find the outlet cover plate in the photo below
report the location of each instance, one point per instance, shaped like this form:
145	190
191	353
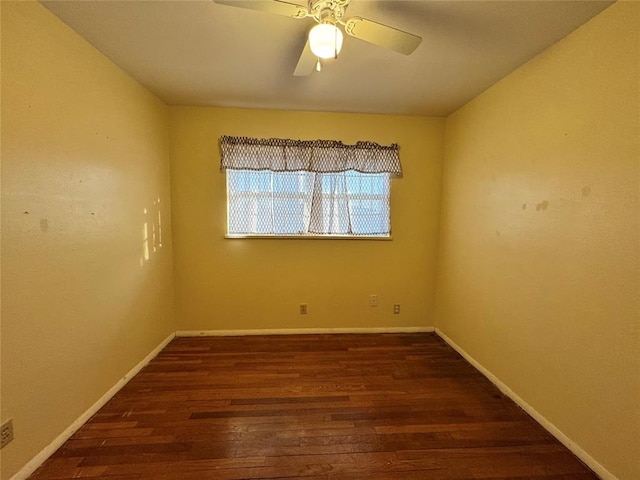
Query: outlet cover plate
6	433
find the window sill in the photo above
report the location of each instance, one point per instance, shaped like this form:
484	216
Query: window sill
306	237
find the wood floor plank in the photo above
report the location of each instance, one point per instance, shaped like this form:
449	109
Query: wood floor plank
312	407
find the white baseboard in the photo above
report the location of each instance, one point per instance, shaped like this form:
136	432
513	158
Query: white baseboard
46	452
298	331
550	427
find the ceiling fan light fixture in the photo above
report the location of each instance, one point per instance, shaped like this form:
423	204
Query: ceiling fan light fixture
325	40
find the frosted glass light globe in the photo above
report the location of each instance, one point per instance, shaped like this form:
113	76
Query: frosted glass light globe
325	40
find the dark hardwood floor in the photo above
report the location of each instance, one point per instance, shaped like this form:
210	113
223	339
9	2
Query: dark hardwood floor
312	407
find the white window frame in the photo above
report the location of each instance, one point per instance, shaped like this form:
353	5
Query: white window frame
322	160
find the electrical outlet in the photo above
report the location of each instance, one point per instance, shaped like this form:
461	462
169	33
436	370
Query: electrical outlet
6	433
303	309
373	300
396	309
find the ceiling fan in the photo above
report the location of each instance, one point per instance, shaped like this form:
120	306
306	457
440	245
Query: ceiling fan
325	38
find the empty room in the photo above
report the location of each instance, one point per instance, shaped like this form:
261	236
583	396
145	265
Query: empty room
324	240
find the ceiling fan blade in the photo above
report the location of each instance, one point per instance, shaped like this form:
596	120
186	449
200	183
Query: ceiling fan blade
382	35
306	62
278	7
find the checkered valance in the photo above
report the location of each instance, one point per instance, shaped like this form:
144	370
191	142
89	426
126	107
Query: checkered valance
320	156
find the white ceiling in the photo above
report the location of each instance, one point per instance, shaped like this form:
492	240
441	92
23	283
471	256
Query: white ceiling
203	53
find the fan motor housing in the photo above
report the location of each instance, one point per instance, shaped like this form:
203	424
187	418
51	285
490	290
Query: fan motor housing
327	11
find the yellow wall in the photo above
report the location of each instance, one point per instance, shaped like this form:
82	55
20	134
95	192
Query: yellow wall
539	249
224	284
84	152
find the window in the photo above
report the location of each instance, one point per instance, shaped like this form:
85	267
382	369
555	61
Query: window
308	188
307	203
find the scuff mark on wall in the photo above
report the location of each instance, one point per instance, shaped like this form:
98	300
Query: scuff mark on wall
542	206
